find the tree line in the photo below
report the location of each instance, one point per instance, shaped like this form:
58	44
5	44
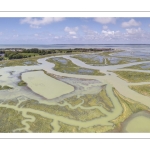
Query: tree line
25	53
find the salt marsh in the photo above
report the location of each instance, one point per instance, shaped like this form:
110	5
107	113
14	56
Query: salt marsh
66	98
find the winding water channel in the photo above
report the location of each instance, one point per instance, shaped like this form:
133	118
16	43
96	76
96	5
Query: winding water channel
110	79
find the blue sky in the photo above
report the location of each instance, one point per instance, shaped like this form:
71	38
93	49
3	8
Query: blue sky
55	30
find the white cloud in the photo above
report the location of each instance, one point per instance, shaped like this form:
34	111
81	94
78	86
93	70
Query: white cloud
56	37
105	20
108	33
130	23
136	34
1	33
105	27
36	22
35	34
134	31
74	37
71	31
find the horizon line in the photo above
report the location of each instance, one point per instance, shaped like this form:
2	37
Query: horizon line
75	44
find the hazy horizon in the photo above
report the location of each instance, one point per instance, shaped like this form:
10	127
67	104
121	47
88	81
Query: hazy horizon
74	30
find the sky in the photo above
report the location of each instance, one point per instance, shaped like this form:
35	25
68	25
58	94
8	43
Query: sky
58	30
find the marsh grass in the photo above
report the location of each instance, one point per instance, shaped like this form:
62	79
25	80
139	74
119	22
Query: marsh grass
95	62
5	87
10	120
76	114
41	124
71	68
75	129
22	83
133	76
97	100
142	89
139	67
73	100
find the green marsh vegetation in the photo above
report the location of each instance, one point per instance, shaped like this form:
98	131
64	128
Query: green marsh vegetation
139	67
142	89
5	87
72	68
11	102
65	111
73	100
22	83
133	76
10	120
97	100
90	100
41	124
66	128
106	59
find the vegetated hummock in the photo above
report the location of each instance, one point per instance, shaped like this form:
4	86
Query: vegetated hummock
65	111
5	87
145	66
72	68
142	89
10	120
104	58
133	76
22	83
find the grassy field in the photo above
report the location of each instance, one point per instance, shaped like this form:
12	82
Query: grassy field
73	100
77	114
19	62
30	60
10	120
92	61
11	102
5	87
72	68
41	124
97	100
132	76
89	60
23	62
74	129
142	89
139	67
30	54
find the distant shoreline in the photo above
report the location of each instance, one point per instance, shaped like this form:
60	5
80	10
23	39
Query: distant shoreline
69	46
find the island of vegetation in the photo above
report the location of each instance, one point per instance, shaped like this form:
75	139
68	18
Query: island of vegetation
61	63
133	76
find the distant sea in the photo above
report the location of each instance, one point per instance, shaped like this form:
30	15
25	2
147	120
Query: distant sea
130	47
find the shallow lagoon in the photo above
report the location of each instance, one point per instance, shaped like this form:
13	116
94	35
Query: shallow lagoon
45	85
136	123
